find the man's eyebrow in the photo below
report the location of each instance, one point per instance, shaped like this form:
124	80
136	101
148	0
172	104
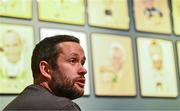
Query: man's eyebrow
76	55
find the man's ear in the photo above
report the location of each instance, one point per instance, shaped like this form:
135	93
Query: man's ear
45	69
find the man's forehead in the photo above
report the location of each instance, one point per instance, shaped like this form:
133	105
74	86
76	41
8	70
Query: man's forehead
69	43
72	52
70	47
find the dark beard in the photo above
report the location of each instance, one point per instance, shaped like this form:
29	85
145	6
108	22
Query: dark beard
65	87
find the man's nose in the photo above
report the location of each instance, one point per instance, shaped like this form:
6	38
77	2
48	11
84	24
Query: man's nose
82	70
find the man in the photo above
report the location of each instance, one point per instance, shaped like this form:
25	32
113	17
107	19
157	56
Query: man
58	72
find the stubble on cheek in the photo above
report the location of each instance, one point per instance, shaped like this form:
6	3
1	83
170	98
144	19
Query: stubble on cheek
63	85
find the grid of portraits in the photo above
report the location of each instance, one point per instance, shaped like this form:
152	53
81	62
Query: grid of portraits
112	55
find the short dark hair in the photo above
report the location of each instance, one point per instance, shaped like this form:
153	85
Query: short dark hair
48	51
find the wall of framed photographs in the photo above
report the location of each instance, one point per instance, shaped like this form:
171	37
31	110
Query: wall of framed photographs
132	46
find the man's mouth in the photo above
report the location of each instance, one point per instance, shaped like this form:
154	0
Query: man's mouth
81	82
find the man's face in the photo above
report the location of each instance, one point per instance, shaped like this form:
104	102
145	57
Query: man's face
68	78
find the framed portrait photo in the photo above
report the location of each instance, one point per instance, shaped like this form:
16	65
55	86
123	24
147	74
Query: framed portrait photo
47	32
152	16
16	46
108	13
176	16
16	8
157	68
113	65
63	11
